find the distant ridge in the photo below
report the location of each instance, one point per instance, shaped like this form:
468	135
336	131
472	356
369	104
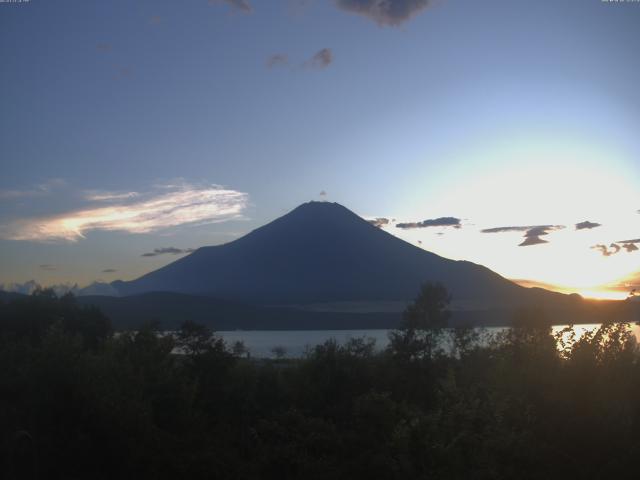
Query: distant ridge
323	252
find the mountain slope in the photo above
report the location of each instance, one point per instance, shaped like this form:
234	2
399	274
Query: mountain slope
323	252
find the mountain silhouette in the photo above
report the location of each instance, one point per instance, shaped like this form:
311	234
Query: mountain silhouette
323	252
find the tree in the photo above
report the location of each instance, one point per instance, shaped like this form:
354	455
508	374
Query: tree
195	339
279	352
422	323
429	309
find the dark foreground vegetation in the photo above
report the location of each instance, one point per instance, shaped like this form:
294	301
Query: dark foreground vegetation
78	402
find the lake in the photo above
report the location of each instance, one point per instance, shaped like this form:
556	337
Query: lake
295	342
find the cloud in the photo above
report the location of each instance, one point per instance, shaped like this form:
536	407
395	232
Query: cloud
242	6
607	251
628	245
47	267
379	222
587	225
435	222
109	270
277	60
323	193
102	196
155	20
168	250
103	47
321	59
533	233
40	190
177	205
385	12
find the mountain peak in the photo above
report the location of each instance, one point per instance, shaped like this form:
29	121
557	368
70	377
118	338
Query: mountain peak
320	219
315	207
323	252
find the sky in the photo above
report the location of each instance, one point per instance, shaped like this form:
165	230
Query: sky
499	132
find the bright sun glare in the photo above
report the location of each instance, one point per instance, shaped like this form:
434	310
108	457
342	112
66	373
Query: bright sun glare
560	185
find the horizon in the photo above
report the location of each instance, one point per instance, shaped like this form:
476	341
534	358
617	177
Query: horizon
500	134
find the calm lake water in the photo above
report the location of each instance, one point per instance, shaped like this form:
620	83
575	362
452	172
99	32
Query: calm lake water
260	343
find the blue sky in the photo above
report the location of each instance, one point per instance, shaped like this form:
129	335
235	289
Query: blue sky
430	114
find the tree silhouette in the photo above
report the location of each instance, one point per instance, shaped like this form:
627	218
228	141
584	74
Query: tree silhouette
430	308
422	323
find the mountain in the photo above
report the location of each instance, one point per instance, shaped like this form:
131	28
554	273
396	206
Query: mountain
322	252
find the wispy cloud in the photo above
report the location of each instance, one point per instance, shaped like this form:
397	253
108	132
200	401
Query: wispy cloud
242	6
321	59
379	222
182	204
434	222
47	267
533	233
102	196
277	60
109	270
385	12
587	225
39	190
168	251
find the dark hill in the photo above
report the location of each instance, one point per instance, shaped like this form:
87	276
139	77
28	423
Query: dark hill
323	252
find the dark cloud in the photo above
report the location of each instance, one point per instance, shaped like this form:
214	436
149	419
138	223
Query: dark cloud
385	12
323	193
321	59
607	251
109	270
168	250
630	245
505	229
103	47
587	225
277	60
533	233
155	20
379	222
434	222
47	267
242	6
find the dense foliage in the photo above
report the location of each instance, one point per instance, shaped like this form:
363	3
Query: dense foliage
77	401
